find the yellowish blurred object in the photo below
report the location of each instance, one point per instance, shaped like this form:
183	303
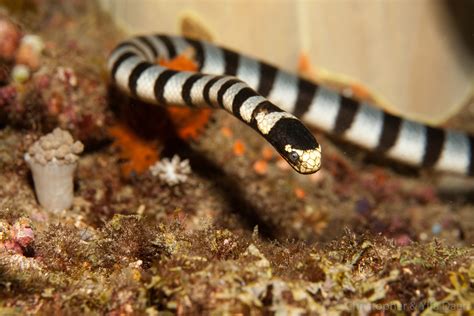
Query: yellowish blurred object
194	27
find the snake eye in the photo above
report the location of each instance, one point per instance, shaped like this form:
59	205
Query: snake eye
294	156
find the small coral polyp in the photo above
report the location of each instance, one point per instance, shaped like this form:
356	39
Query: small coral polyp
53	160
172	172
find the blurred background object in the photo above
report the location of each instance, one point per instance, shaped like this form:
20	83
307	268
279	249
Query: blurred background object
417	55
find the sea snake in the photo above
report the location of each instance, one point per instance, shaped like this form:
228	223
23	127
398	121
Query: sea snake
269	100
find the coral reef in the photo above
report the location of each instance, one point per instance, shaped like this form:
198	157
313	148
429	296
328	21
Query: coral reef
240	234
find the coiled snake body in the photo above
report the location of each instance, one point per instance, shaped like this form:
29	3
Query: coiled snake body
269	100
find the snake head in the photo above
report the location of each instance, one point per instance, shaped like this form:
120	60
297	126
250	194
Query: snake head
304	160
296	144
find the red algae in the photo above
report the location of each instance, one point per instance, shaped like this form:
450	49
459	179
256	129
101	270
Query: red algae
138	153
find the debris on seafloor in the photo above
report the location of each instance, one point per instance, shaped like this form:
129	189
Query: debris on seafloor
53	160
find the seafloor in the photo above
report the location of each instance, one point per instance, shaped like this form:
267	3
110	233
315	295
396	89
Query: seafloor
243	234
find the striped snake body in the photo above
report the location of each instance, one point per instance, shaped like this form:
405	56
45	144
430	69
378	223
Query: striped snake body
270	100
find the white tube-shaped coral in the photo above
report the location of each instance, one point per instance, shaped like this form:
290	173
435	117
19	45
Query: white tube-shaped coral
53	160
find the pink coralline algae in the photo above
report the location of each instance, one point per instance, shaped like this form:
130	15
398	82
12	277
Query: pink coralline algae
7	96
67	75
22	232
17	237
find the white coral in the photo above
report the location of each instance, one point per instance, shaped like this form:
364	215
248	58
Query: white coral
172	171
53	160
57	147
